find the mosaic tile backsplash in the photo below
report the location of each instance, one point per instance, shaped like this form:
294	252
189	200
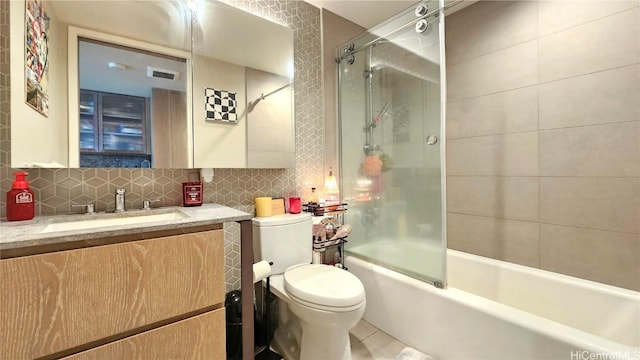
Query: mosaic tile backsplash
58	189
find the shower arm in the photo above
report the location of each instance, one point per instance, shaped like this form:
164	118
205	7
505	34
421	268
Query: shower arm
263	96
405	26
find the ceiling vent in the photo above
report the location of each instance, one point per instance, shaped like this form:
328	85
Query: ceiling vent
162	73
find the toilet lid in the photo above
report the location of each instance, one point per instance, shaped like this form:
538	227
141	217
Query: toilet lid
324	285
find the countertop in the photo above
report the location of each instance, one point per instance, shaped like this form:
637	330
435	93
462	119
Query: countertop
28	234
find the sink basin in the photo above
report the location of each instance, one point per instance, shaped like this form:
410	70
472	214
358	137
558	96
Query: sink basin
88	222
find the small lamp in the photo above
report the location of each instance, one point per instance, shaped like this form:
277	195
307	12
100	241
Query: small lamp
331	191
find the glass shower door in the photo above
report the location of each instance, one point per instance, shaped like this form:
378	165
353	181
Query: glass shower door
391	148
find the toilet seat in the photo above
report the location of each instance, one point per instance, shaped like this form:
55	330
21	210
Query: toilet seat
324	287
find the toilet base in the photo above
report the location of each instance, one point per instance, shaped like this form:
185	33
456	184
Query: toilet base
325	334
286	344
316	345
305	333
311	344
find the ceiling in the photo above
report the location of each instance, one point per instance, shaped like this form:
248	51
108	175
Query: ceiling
368	13
365	13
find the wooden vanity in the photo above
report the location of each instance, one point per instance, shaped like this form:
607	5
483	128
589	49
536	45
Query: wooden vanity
155	293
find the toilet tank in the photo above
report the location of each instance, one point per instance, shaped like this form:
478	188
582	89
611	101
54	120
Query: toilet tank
285	240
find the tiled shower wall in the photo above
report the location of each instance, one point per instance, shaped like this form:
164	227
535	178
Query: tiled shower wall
543	128
57	190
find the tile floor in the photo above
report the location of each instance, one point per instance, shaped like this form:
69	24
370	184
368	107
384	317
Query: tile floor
370	343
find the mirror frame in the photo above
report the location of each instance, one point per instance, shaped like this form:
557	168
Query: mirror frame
74	35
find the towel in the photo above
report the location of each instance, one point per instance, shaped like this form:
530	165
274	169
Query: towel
410	353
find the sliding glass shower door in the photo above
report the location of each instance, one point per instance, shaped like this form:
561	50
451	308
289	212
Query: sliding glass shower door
391	128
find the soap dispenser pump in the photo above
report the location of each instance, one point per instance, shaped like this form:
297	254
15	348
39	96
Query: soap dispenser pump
20	199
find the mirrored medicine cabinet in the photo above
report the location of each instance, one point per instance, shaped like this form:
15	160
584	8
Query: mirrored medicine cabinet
149	84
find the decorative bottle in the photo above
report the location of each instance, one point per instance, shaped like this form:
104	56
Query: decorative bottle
313	198
20	199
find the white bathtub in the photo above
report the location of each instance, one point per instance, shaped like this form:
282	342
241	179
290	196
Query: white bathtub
498	310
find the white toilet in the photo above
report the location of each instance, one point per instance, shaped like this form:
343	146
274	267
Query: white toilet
319	303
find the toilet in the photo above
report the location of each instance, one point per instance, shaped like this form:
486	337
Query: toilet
319	303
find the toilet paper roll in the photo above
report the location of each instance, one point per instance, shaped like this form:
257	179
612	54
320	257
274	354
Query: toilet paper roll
264	207
261	270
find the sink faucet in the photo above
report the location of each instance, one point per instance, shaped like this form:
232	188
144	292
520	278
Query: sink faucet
90	208
120	200
146	204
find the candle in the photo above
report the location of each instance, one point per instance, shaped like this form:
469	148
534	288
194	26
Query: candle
263	207
294	205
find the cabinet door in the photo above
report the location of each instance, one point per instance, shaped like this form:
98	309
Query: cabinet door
198	337
89	121
57	301
170	140
124	123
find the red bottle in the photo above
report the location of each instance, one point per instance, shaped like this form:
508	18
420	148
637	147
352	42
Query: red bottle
20	199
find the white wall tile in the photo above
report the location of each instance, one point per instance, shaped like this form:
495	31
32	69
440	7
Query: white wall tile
554	16
610	42
507	69
601	97
504	112
603	256
504	197
508	240
611	204
506	155
610	150
586	101
469	34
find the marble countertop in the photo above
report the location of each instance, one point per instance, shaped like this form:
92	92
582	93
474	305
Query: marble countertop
23	234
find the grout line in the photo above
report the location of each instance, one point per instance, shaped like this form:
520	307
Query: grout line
539	36
545	223
543	83
494	217
370	335
588	21
498	134
591	125
548	176
539	256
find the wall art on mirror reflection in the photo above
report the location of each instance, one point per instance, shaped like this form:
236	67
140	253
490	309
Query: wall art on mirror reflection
36	56
220	105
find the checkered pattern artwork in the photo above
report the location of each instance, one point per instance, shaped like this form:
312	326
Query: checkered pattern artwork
220	105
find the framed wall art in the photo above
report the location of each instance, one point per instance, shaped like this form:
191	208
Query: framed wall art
220	105
36	56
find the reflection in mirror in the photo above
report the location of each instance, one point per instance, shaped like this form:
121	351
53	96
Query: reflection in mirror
228	64
153	26
227	42
131	115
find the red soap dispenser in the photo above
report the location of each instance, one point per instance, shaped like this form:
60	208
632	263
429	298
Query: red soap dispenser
20	199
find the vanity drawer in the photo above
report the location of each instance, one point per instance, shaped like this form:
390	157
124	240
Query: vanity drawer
199	337
57	301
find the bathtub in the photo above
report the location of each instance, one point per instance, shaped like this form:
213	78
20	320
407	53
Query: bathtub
498	310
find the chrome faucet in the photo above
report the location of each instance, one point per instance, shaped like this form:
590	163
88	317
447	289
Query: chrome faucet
146	204
90	208
120	200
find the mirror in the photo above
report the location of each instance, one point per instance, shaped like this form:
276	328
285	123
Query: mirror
226	64
133	99
130	39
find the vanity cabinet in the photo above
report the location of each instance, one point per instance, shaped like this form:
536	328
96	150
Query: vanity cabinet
156	296
113	123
